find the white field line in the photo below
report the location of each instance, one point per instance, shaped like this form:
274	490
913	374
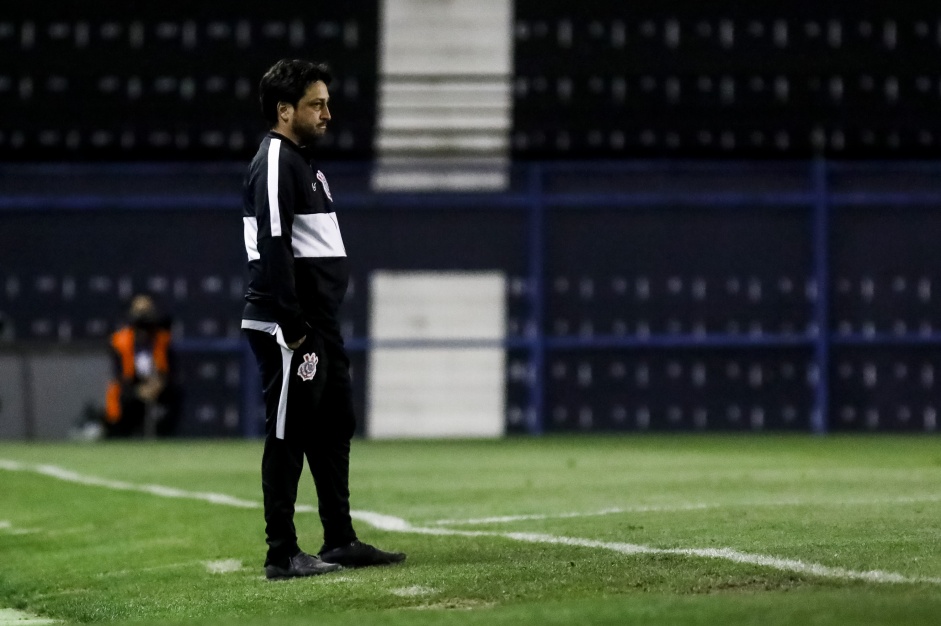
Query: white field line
7	527
501	519
54	471
397	524
153	568
673	508
119	485
223	567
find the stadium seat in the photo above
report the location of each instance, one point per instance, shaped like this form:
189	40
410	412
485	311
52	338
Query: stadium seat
652	80
162	83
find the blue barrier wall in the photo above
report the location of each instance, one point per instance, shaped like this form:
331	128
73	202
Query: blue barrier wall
642	296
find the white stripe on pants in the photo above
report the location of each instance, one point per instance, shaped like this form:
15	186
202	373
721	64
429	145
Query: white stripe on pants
286	356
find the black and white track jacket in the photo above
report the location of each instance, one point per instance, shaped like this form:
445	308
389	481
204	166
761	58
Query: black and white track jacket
297	266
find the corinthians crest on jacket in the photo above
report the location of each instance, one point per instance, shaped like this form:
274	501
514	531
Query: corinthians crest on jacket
308	369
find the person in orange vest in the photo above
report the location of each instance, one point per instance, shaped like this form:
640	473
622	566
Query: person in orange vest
142	386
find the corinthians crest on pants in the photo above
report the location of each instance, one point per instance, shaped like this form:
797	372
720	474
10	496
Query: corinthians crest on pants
308	368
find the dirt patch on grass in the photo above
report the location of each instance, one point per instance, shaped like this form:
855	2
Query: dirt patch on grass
750	584
456	604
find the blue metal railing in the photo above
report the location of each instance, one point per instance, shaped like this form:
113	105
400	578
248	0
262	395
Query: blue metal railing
531	195
821	252
818	199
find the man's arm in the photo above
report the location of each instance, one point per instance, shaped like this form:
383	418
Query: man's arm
274	201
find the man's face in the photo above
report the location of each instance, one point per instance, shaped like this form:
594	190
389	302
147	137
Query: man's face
143	311
311	114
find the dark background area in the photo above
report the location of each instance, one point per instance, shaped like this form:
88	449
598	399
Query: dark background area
752	189
596	79
143	81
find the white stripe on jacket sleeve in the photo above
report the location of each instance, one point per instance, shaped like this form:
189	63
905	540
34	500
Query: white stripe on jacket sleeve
250	229
274	209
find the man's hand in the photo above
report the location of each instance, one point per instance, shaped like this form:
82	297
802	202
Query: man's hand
294	345
150	389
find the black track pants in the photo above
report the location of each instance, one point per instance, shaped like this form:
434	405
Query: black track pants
316	421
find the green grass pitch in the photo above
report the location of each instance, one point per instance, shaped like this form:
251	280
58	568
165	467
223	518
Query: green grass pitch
593	530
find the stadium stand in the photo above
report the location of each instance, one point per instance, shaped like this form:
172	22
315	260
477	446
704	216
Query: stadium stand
684	79
170	80
776	282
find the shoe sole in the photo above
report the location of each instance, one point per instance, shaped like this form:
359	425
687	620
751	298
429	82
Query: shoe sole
360	565
287	576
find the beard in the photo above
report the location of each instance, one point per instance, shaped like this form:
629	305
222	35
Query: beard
307	133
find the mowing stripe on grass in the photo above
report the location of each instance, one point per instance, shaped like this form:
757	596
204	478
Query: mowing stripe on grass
397	524
502	519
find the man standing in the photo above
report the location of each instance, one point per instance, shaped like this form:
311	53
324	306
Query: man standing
298	275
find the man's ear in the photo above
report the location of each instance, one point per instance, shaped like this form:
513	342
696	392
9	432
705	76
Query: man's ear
284	111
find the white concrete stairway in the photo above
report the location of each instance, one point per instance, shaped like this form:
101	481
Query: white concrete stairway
444	94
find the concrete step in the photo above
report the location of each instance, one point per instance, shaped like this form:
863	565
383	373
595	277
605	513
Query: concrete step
443	141
400	92
444	94
446	36
441	173
426	120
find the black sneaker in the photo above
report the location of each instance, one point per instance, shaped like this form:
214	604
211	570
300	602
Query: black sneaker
359	554
301	564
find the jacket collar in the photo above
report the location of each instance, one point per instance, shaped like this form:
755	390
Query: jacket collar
305	151
284	139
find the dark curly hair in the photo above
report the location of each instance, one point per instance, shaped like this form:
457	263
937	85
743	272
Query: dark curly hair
286	81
